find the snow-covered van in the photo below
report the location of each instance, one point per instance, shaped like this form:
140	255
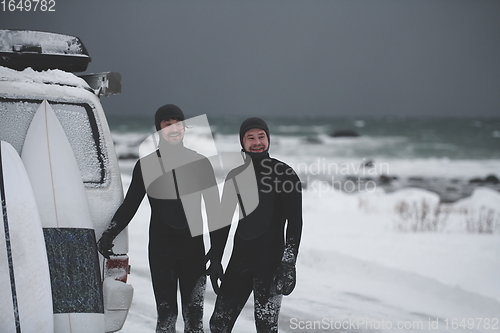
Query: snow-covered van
37	66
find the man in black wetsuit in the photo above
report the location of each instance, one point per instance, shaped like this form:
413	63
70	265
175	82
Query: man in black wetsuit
174	178
263	260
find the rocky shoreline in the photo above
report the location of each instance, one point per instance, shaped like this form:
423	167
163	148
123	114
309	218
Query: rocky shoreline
448	189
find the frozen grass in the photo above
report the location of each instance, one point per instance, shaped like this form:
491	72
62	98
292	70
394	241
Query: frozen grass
420	216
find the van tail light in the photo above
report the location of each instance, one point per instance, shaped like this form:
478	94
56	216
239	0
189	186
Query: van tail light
117	267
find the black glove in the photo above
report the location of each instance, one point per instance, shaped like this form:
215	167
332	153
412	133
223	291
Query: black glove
214	270
285	278
105	244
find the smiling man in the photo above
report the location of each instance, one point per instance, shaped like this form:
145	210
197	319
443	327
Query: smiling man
175	179
255	141
263	259
172	130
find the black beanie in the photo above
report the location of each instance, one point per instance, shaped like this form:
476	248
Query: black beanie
253	123
168	111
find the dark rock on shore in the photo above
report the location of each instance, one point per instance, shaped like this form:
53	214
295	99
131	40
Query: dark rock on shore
383	179
490	179
416	179
369	163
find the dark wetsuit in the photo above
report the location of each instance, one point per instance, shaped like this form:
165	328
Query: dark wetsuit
174	255
260	246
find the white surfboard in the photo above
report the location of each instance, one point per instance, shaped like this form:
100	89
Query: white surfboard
67	225
25	292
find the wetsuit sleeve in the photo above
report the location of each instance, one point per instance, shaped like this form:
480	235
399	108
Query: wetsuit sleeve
293	211
128	208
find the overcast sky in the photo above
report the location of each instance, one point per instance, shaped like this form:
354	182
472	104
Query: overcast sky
318	57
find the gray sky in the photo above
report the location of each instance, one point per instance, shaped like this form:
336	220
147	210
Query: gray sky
260	57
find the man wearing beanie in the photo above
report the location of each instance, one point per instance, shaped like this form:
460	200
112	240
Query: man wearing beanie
263	259
176	249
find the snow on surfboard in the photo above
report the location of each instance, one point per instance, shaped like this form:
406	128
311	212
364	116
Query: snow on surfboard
67	225
25	293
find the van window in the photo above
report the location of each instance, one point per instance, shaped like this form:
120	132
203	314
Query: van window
79	124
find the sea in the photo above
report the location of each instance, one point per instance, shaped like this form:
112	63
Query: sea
448	156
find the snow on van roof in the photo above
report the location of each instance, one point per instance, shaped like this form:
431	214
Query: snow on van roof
54	76
20	49
50	43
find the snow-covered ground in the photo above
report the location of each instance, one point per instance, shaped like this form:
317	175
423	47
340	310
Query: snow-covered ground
357	272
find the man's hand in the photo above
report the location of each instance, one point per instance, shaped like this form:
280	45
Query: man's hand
105	244
285	278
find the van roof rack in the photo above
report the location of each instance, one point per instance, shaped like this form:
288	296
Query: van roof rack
40	50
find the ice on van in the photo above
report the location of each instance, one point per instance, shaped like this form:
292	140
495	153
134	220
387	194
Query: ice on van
37	66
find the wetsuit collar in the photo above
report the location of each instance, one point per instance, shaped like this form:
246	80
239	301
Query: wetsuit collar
170	149
257	156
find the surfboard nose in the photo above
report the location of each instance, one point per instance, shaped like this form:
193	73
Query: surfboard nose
54	173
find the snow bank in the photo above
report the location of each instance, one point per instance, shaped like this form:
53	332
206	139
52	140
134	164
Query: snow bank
381	202
363	226
481	197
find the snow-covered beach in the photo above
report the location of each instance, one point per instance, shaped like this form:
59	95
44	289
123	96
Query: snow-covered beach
358	272
383	259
